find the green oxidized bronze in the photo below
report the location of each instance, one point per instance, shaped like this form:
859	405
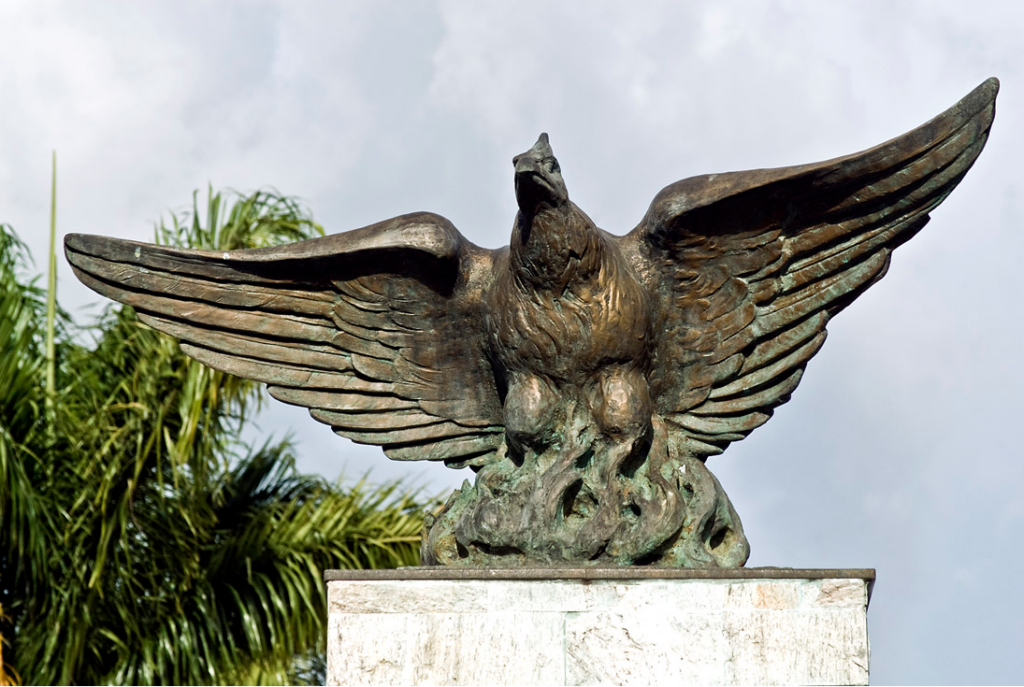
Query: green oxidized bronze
586	377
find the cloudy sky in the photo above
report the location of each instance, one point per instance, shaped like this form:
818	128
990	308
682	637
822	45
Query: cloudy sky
899	451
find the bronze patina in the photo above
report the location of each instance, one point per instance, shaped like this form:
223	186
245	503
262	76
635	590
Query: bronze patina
585	377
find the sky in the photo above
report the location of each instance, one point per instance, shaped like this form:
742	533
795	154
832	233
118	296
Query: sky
899	451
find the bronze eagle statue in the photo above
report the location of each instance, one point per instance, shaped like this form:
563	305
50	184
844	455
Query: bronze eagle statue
584	376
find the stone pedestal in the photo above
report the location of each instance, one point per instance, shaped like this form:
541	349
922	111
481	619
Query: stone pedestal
437	626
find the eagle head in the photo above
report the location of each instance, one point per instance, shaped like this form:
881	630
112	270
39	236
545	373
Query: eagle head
539	179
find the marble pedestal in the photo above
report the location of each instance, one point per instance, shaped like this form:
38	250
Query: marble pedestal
437	626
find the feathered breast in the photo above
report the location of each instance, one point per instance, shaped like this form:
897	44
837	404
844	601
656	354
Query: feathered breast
593	313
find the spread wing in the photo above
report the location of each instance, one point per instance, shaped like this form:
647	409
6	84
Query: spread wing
745	269
377	331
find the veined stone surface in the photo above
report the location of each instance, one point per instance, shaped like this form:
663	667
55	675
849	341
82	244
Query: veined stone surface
580	627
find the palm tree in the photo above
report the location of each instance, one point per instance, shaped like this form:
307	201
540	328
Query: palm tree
145	543
22	311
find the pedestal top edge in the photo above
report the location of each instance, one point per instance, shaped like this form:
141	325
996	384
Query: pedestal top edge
622	573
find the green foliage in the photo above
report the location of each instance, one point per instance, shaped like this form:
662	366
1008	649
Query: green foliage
141	542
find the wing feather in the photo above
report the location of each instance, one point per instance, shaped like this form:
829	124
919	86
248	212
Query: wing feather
455	452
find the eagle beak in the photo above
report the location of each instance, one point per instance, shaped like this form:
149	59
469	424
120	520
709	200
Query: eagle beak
540	150
538	181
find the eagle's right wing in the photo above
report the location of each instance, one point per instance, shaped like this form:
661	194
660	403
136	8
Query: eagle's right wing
378	331
745	269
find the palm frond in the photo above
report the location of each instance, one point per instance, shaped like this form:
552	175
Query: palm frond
25	529
153	546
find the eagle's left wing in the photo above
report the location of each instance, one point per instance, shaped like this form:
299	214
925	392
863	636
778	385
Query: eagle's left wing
745	269
378	331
